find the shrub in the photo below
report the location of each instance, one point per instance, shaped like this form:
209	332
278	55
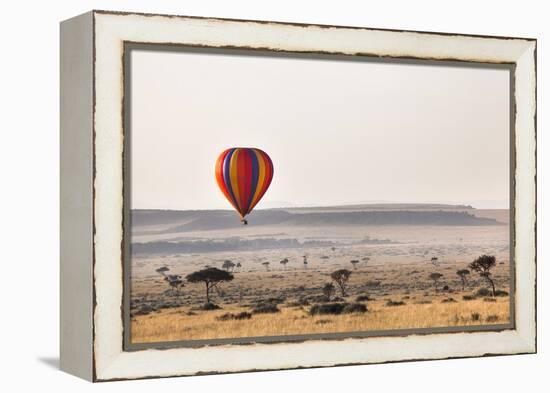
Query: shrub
225	317
354	307
243	315
483	292
468	297
372	284
500	292
209	306
492	318
275	300
239	316
489	299
327	308
445	287
448	300
266	308
475	316
298	303
145	310
391	303
317	299
363	298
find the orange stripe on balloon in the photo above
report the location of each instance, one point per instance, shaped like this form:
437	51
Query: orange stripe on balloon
267	177
234	177
261	177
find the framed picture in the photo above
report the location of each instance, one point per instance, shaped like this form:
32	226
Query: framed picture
245	195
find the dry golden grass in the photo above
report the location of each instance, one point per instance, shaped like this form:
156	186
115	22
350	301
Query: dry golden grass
175	324
398	271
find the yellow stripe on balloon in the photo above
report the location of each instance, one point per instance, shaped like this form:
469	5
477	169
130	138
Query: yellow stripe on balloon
234	177
261	178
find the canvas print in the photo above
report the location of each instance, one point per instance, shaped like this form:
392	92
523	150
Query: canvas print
276	196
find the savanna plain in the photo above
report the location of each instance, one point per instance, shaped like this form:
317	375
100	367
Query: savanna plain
363	268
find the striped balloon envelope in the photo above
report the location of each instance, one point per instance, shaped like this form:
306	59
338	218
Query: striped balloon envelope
244	175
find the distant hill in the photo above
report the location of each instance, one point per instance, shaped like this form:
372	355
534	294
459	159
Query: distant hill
175	221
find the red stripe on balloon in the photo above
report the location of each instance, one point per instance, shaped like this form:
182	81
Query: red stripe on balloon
243	180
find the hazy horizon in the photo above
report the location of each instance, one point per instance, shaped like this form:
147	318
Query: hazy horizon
338	132
290	205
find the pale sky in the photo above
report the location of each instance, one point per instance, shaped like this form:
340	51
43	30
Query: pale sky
338	132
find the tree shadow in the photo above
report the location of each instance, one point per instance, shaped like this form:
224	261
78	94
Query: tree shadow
52	362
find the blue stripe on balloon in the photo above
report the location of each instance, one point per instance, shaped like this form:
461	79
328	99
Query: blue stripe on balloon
255	175
226	175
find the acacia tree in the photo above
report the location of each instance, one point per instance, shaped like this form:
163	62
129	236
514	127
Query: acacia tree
483	266
463	274
328	290
266	265
435	277
228	265
354	262
211	277
175	281
284	262
341	278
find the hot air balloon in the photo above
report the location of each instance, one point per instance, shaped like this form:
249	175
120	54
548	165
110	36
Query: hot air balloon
244	175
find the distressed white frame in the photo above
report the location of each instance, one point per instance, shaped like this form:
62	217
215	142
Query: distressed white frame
111	30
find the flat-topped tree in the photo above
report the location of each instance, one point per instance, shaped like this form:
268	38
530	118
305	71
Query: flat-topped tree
483	266
210	277
354	263
463	274
341	278
175	281
284	262
228	265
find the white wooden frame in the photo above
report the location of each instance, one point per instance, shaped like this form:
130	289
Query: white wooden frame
92	193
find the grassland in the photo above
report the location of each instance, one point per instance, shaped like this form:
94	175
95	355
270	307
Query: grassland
177	324
391	280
